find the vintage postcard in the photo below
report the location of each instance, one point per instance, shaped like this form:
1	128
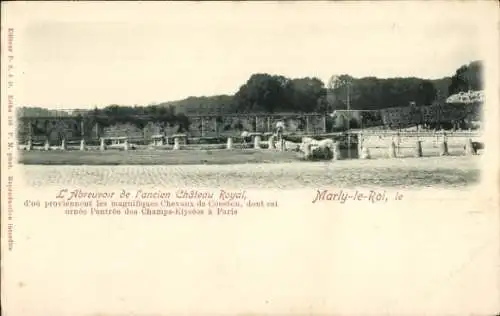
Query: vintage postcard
250	158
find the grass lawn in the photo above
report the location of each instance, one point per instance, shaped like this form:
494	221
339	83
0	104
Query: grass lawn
152	157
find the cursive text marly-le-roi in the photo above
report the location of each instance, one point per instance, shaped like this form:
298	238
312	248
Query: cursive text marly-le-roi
342	196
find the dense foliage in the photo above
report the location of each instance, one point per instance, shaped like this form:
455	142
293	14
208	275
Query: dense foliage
269	93
468	77
266	93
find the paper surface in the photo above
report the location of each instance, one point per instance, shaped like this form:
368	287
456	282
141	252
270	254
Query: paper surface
288	240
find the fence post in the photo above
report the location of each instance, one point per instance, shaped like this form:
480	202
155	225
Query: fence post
365	153
443	148
256	142
469	148
398	141
337	155
307	151
177	145
360	142
103	145
418	149
392	150
30	144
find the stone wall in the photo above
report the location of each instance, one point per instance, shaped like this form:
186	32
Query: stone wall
214	126
405	142
53	129
409	115
234	125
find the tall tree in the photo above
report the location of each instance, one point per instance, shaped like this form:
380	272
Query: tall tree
306	95
426	93
467	77
262	93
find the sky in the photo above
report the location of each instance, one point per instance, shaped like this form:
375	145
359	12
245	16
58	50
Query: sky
82	55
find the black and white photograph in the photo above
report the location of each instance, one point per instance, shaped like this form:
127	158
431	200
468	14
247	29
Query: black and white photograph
250	158
208	99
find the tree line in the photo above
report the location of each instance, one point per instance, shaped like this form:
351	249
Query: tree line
267	93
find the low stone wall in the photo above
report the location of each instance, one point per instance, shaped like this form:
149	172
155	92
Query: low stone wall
366	144
74	128
405	143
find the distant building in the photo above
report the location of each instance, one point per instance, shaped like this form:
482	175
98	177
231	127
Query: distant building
401	116
352	119
463	111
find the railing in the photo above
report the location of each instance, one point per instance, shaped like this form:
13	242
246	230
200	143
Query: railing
474	133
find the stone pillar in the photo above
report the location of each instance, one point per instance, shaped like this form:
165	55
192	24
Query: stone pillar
365	153
469	148
125	145
177	145
398	142
307	151
256	142
229	143
63	144
103	145
360	142
30	144
337	155
392	150
443	149
271	142
418	149
82	144
46	146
